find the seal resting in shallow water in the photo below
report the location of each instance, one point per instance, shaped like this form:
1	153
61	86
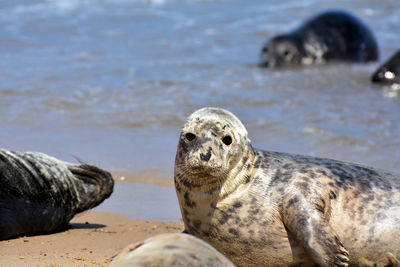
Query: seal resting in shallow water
263	208
389	72
329	36
40	194
173	249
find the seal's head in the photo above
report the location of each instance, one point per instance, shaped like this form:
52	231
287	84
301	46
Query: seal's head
389	72
281	51
213	149
171	249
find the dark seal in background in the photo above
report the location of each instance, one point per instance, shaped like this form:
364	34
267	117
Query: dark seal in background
330	36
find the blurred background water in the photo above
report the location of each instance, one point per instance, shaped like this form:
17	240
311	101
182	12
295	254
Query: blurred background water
111	82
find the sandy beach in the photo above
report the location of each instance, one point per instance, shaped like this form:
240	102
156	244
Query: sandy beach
94	238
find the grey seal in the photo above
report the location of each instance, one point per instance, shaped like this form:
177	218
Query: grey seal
265	208
334	35
41	194
172	249
389	71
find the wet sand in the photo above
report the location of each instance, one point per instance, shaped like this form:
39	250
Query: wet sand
93	240
152	177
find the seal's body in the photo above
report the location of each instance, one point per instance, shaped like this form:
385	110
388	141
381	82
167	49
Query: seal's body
40	194
172	249
388	72
263	208
329	36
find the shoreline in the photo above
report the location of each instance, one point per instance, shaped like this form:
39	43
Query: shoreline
150	177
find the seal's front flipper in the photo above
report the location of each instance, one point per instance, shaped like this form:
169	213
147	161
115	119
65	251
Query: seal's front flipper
312	239
93	185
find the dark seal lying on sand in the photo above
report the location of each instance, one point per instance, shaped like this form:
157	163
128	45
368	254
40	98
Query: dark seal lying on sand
263	208
329	36
388	72
40	194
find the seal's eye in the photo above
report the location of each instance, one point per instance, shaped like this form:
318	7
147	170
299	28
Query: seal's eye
265	49
286	53
190	136
227	140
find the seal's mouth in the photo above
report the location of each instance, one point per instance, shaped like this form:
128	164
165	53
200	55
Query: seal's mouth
199	175
266	61
202	171
200	181
203	163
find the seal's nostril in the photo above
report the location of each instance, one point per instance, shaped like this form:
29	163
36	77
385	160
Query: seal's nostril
206	157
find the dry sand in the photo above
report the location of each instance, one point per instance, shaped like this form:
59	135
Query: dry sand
95	237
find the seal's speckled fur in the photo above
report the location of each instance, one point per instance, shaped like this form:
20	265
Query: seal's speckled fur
269	208
170	250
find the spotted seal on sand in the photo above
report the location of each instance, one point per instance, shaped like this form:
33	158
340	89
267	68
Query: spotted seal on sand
263	208
388	72
330	36
41	194
172	249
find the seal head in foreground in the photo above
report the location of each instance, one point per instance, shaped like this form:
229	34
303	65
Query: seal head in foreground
263	208
172	249
41	194
330	36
